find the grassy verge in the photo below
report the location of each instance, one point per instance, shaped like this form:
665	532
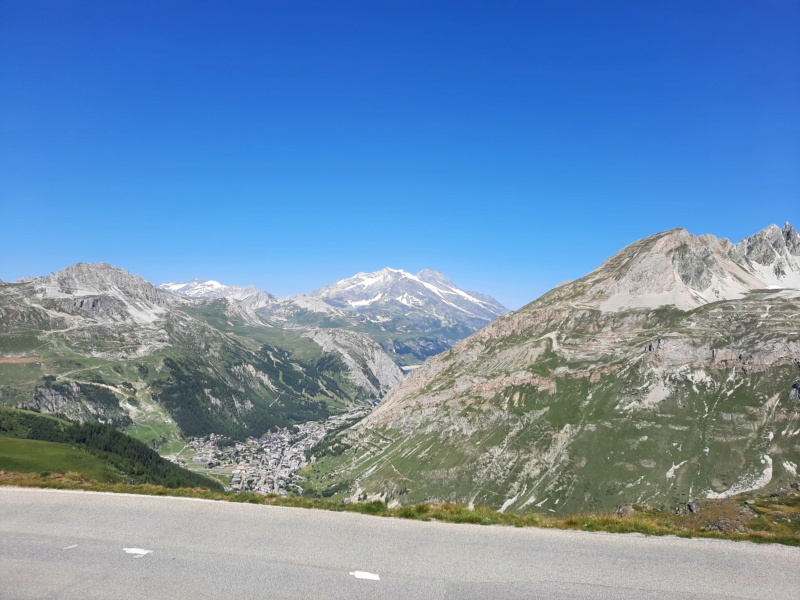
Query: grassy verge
774	519
34	456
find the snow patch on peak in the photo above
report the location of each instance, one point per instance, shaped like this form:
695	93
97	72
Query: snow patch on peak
366	302
196	288
397	290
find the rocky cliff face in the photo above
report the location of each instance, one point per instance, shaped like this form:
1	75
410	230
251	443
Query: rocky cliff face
369	367
668	373
101	291
78	402
679	269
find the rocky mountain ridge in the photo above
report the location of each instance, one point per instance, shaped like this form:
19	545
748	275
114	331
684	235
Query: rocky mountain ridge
103	291
686	271
94	342
197	289
410	316
669	373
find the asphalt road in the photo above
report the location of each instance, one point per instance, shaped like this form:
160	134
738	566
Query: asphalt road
84	545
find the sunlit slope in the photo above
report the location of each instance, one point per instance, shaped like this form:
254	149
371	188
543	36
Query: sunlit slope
576	403
31	442
95	343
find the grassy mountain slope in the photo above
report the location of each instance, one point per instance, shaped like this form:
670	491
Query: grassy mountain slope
94	343
568	405
99	451
34	456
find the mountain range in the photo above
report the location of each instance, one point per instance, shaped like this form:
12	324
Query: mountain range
94	343
671	372
412	317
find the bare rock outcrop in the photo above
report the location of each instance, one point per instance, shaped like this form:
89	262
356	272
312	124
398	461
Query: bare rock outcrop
369	367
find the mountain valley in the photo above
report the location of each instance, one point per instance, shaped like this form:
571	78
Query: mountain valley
669	373
95	343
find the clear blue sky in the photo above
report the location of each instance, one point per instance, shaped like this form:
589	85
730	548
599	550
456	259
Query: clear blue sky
288	144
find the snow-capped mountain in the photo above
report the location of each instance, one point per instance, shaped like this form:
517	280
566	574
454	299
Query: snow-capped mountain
197	289
429	293
411	316
131	353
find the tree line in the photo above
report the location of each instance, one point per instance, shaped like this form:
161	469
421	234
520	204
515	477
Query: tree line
132	458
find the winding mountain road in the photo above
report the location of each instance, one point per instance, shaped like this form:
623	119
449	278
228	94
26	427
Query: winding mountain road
84	545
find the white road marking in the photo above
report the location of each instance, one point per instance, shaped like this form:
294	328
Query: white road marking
365	575
70	547
137	552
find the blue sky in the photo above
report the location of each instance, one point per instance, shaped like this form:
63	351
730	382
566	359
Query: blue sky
288	144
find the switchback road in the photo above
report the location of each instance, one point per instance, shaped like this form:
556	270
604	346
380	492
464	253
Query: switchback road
84	545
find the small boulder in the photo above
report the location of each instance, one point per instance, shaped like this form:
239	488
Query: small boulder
725	526
794	392
625	511
747	512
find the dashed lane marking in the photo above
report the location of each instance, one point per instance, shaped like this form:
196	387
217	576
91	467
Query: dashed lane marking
365	575
137	552
70	547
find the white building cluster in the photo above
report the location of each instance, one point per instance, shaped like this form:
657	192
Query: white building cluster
270	464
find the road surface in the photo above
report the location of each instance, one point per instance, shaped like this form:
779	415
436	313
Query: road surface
85	545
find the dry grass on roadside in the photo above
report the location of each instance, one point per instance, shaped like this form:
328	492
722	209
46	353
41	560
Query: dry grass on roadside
774	519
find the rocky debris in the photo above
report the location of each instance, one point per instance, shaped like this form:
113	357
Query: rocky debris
726	515
726	526
783	492
688	508
746	511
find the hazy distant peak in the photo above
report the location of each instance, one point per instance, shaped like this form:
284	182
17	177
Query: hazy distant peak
199	289
397	291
